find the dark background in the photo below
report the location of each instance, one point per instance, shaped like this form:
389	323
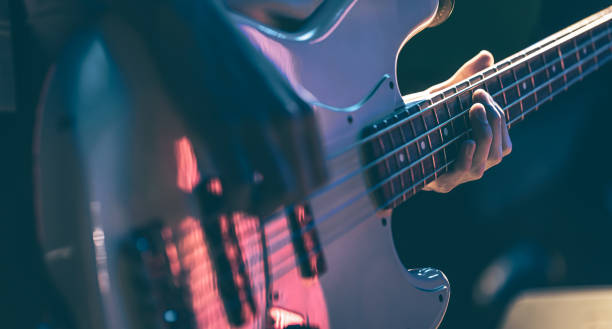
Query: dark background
546	211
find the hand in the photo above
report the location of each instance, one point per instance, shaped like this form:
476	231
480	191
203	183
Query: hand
491	140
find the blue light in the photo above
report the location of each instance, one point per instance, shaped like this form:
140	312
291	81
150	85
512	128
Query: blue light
170	316
142	244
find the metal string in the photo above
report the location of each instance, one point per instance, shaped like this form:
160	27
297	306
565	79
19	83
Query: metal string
420	160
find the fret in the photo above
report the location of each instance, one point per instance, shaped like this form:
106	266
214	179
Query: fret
459	123
493	87
578	48
506	79
465	99
448	133
588	48
608	50
442	117
540	78
416	172
435	137
394	141
511	94
554	70
601	40
400	157
526	85
403	156
515	109
389	164
378	172
594	46
570	58
424	146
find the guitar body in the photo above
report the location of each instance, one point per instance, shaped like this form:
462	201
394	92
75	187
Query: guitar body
348	70
113	158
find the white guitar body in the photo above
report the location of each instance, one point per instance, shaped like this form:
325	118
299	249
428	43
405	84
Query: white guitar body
113	169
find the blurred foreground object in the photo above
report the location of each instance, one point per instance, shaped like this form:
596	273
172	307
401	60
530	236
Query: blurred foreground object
563	308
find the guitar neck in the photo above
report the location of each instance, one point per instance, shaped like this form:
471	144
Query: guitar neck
413	146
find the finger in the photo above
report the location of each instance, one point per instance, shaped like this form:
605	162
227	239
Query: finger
465	156
483	137
460	172
495	121
478	63
506	141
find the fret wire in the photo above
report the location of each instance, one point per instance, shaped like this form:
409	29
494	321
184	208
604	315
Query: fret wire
546	46
578	56
577	79
569	84
518	89
325	217
440	132
594	47
562	64
376	161
417	138
548	75
433	158
424	178
514	84
420	160
409	158
533	84
386	159
418	148
421	181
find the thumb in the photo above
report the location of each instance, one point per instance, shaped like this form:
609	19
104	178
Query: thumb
478	63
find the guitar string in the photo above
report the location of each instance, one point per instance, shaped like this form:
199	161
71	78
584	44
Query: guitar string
420	160
597	21
277	247
278	274
523	97
287	241
318	221
416	139
283	270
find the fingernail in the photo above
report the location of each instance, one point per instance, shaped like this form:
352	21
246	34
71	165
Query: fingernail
481	114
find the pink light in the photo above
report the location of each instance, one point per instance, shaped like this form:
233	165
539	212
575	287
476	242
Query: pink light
171	252
282	318
214	186
187	176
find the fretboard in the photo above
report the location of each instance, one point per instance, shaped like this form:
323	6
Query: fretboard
414	145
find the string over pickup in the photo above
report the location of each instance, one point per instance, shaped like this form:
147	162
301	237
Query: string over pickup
305	239
233	279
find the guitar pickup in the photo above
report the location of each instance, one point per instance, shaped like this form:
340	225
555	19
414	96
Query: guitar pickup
305	240
226	255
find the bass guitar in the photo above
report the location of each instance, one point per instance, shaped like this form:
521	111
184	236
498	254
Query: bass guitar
120	191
